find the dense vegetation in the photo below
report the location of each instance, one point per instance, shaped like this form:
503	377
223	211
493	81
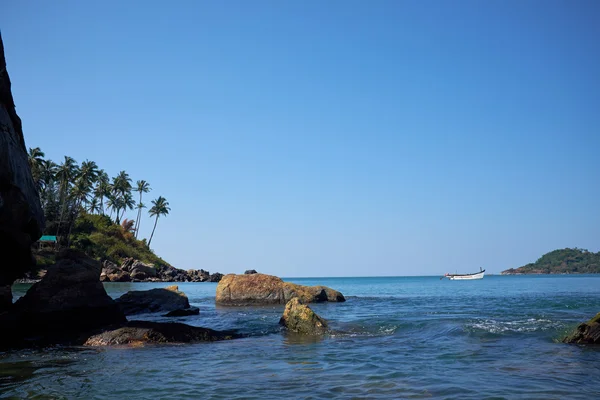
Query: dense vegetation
86	209
565	261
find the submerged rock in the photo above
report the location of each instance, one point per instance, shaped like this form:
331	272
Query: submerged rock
183	312
300	318
68	301
138	333
586	333
154	300
267	289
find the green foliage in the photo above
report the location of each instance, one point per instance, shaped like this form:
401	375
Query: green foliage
564	261
100	238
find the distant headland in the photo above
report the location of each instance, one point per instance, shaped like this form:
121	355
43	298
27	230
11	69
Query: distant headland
563	261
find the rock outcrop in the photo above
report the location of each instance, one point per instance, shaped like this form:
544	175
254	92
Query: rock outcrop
21	216
586	333
257	288
300	318
70	300
154	300
139	333
136	271
183	312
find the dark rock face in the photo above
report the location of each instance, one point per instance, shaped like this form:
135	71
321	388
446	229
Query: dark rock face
21	216
154	300
67	302
586	333
5	298
299	318
257	288
216	277
139	333
183	312
250	272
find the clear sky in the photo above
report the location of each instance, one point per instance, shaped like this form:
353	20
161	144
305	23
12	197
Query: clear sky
328	138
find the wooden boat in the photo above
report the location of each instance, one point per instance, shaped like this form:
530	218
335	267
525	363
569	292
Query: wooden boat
460	277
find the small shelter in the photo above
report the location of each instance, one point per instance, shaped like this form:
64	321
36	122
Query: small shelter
48	241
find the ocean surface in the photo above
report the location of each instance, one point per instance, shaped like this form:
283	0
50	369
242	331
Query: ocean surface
394	338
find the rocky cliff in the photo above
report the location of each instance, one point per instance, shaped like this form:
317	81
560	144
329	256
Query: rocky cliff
21	216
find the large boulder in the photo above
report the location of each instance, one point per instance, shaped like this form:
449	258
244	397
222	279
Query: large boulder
586	333
267	289
68	301
299	318
141	271
112	273
154	300
21	216
138	333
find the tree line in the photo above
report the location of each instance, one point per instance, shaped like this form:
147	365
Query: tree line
68	189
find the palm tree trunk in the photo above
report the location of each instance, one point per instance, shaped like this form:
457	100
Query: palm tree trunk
155	221
137	221
62	212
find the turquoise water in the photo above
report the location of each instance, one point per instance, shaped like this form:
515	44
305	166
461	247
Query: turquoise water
405	337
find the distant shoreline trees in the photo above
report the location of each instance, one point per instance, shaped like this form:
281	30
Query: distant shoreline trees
68	189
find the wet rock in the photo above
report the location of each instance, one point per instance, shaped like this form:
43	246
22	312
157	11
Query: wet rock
250	272
21	216
267	289
154	300
68	301
300	318
139	333
184	312
586	333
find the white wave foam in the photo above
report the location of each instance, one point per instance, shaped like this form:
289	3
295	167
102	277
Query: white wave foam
524	325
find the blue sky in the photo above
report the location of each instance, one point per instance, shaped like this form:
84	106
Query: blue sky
337	138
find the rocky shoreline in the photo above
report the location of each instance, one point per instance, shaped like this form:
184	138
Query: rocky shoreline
132	270
69	306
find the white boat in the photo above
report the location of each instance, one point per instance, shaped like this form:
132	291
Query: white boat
462	277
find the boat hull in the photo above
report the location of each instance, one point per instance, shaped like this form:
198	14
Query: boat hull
466	277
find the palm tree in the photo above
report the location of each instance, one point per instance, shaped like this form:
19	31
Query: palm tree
36	159
65	175
139	207
94	206
112	202
103	188
127	202
159	207
141	187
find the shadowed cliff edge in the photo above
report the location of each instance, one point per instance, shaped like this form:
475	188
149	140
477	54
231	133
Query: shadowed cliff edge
21	217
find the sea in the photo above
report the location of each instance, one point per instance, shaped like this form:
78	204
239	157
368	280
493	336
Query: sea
394	338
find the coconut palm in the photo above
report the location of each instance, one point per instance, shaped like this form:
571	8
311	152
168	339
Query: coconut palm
139	207
103	188
141	187
65	175
94	206
36	159
159	207
127	202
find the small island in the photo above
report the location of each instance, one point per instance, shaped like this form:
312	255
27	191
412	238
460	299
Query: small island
563	261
